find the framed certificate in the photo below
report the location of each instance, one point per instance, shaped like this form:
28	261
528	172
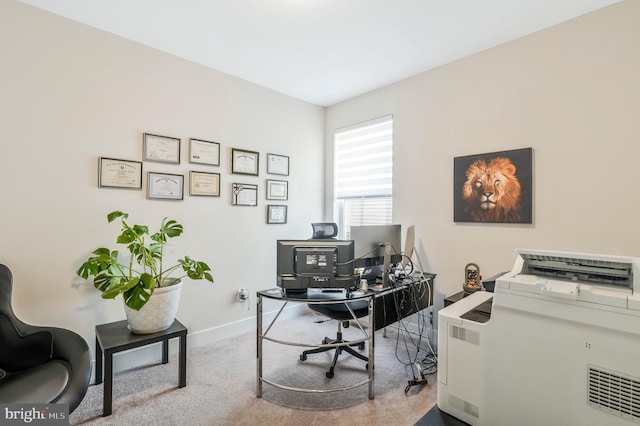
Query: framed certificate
244	162
244	194
115	173
204	152
277	164
277	189
164	186
205	184
276	214
162	149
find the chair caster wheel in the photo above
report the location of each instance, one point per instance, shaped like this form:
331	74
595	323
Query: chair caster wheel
329	374
303	357
361	346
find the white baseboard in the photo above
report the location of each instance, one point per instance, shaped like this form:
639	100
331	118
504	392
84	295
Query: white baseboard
153	353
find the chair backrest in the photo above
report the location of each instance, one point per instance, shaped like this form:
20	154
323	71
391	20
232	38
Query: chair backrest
324	230
6	285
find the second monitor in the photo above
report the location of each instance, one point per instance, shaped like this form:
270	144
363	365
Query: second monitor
370	241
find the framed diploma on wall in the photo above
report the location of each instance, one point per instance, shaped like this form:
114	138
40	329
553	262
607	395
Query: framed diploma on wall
277	189
115	173
244	162
204	184
162	149
204	152
244	194
277	164
164	186
276	214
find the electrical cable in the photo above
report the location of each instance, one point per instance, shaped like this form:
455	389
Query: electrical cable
414	350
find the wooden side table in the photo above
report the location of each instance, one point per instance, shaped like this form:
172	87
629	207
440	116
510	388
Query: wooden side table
115	337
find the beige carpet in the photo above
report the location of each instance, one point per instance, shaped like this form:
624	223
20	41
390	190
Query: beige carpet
221	386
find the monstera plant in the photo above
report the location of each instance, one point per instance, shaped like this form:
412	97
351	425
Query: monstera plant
143	271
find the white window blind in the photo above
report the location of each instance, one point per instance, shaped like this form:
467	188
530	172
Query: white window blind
363	173
365	211
364	159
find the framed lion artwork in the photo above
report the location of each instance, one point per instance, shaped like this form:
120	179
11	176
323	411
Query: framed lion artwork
493	187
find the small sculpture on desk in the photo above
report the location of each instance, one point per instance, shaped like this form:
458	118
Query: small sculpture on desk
472	278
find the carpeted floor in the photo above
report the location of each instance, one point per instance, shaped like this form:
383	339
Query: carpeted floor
221	385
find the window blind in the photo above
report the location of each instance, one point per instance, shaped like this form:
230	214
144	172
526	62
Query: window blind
363	174
366	211
364	159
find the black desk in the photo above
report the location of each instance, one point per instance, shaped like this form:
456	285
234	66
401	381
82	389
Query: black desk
403	300
116	337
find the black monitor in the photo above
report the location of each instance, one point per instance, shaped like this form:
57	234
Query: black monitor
303	264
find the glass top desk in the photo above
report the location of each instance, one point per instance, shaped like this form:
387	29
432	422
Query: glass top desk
383	302
314	298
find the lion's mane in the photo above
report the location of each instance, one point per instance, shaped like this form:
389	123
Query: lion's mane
492	191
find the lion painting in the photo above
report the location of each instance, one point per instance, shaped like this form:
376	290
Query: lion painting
492	191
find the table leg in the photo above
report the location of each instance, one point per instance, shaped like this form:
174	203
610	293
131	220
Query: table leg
98	363
182	382
107	388
372	344
259	347
165	351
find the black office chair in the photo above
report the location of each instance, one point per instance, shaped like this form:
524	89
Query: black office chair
336	311
39	364
340	312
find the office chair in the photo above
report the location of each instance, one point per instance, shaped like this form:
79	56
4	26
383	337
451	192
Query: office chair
336	311
339	312
39	364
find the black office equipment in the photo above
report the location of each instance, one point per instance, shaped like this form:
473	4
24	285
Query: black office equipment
303	264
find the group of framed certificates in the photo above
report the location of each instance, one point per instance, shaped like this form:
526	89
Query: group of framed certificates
246	194
127	174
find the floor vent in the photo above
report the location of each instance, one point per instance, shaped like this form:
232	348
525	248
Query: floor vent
614	393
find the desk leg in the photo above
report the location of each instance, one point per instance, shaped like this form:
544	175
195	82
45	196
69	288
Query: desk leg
259	347
182	382
372	356
98	363
107	388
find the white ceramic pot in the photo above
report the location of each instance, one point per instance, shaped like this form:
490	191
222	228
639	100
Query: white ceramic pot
158	313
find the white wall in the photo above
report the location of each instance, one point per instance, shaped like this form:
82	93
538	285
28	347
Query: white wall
570	92
69	94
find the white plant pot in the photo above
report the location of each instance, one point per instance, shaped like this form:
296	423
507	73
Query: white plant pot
158	313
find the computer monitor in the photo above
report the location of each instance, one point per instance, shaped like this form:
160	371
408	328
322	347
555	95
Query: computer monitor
303	264
370	241
377	248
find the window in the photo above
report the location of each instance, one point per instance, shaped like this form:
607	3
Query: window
363	174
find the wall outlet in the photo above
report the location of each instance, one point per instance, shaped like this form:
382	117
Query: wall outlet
242	295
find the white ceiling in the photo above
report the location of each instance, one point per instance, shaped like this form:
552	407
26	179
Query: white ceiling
321	51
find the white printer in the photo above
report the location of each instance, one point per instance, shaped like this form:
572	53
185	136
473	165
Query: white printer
561	345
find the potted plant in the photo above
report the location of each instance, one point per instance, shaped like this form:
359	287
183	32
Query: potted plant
143	274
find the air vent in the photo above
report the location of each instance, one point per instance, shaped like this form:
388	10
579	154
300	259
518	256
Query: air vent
465	406
614	393
465	335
